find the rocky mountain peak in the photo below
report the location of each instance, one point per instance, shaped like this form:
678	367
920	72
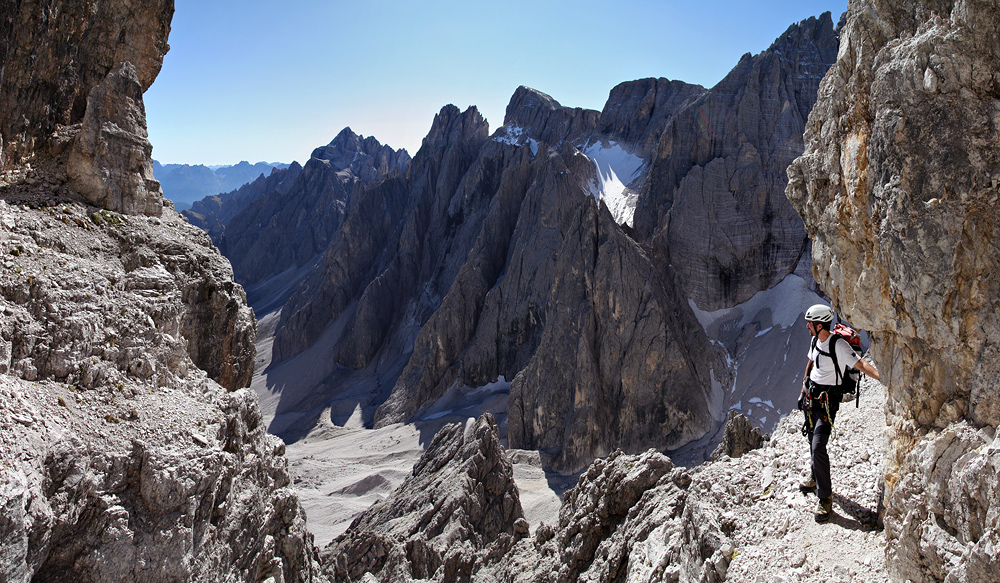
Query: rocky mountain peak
637	111
365	158
540	117
805	37
452	127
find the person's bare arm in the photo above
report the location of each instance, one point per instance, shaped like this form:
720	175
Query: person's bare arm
867	368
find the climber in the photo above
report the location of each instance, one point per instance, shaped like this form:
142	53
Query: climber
820	399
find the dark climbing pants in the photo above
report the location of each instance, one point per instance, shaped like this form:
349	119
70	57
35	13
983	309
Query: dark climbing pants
820	459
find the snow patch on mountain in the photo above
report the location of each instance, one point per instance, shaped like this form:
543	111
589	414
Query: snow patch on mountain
515	136
760	336
617	172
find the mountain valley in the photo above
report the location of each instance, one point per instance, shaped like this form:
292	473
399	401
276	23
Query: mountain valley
567	349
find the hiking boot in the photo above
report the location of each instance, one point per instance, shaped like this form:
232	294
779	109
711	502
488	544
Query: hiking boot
807	484
823	509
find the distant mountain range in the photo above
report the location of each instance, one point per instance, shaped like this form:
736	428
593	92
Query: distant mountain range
626	248
184	184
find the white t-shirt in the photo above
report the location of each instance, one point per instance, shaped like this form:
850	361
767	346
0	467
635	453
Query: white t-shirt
822	372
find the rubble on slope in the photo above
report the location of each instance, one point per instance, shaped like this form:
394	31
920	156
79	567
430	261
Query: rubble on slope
123	459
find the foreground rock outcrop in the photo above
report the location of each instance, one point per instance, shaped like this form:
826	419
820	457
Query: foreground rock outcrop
639	517
71	107
898	188
460	503
129	449
458	518
125	457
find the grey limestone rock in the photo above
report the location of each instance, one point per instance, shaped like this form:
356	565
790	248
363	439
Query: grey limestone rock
739	437
580	295
98	296
389	270
713	203
542	118
458	518
898	189
459	503
110	161
128	450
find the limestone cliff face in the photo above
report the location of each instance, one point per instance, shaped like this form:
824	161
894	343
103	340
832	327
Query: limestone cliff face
280	229
129	450
71	82
898	189
713	203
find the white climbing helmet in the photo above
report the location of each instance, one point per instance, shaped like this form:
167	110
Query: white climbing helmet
819	313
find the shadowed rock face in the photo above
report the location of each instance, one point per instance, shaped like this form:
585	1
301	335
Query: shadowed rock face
55	53
71	85
713	204
898	188
290	225
496	256
213	213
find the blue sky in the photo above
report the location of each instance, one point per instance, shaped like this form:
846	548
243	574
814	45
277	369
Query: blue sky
261	80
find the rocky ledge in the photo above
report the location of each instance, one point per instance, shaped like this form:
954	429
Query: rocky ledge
634	518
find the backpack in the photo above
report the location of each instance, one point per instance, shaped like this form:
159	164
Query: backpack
848	380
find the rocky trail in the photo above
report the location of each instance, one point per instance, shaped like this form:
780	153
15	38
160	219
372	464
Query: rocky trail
770	520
